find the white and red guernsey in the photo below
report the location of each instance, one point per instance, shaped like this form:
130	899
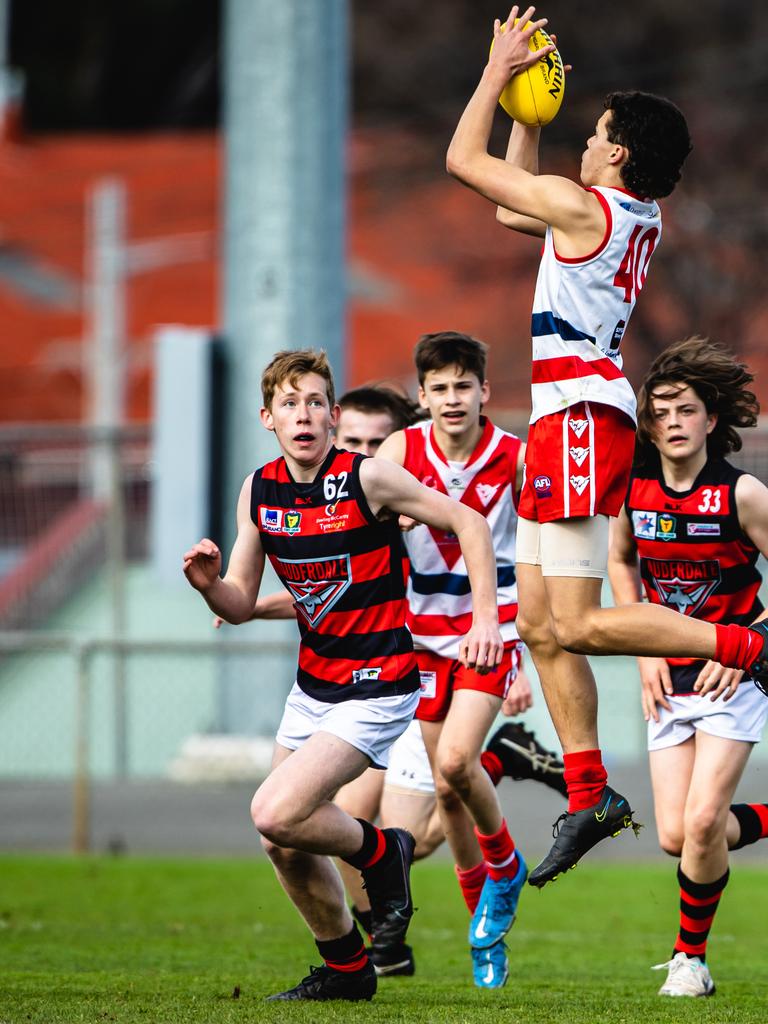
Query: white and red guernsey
581	309
439	596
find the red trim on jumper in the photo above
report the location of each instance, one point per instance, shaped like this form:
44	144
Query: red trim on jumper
570	260
558	368
339	670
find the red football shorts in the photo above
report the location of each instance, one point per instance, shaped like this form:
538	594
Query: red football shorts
577	463
441	676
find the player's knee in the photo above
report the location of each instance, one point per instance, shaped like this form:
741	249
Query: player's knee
671	842
703	826
455	767
283	857
445	793
574	633
534	631
271	820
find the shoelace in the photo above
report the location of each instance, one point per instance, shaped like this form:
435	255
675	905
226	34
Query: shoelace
558	825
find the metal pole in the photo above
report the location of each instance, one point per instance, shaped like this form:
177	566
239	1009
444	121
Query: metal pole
105	372
285	90
81	792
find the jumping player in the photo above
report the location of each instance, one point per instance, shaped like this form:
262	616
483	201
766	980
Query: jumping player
599	236
461	454
327	520
698	526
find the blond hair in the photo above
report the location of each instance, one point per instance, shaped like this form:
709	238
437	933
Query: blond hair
290	364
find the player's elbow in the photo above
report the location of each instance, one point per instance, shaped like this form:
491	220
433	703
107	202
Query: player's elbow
458	164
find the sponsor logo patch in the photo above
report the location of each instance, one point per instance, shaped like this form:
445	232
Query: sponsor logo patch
579	483
578	426
315	585
292	522
644	525
684	585
578	454
667	527
271	520
428	681
543	486
703	529
362	675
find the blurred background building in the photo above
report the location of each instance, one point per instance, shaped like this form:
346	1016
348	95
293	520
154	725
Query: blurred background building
130	220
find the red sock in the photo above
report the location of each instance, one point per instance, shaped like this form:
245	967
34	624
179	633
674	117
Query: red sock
493	766
499	853
472	881
737	646
585	778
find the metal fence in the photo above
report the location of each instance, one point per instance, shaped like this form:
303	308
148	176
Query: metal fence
107	674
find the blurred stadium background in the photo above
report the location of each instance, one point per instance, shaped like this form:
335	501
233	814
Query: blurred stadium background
188	185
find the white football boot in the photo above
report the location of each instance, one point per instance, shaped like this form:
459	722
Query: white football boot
687	976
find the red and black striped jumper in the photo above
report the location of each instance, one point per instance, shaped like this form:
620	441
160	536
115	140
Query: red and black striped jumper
695	558
344	568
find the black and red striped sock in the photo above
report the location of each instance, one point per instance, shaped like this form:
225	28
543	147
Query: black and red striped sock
753	822
373	849
345	954
698	905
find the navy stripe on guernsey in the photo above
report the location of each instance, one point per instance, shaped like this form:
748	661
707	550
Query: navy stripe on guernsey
455	584
694	556
344	569
545	324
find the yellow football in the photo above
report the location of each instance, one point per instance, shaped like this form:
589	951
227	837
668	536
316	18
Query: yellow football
534	96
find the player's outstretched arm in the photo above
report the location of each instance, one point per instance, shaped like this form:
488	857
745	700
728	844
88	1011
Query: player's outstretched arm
279	605
233	597
547	198
522	152
624	576
388	486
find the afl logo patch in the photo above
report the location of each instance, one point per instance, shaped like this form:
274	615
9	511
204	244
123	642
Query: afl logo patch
543	486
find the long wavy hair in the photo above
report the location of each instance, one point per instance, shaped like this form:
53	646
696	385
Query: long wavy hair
717	377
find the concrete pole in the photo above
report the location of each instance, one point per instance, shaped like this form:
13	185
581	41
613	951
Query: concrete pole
285	117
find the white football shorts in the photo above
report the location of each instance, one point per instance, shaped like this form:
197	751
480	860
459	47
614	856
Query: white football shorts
371	725
740	718
409	764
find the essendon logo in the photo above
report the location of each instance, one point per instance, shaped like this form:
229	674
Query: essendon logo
316	585
682	585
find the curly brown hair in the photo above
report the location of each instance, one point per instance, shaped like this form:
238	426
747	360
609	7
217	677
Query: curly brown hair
717	377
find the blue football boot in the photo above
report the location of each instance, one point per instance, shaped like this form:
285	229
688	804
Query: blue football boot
495	913
490	967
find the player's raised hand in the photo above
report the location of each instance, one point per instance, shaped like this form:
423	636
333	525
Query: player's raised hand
202	564
510	54
482	648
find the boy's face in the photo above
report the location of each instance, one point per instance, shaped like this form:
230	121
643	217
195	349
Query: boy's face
302	419
363	432
454	399
681	422
597	156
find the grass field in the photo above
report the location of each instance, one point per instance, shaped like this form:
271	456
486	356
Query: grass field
132	940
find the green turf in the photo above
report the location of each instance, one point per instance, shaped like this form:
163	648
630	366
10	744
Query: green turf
131	940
